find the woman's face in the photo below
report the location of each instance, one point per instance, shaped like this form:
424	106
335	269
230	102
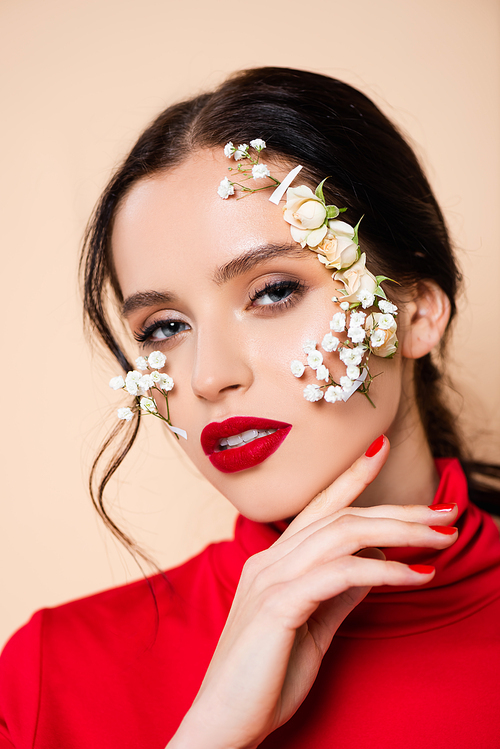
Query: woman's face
230	299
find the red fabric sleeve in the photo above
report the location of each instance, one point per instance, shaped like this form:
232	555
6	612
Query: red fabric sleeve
20	676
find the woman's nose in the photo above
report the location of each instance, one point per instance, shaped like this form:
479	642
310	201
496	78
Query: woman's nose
221	364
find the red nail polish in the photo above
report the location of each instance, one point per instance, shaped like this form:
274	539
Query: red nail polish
446	529
422	569
375	446
442	508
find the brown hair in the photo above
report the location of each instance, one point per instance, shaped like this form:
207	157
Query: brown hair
331	129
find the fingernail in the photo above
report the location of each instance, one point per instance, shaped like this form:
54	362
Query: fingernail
375	447
446	529
442	508
422	569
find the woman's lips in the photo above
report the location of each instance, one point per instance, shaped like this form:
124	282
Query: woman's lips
246	455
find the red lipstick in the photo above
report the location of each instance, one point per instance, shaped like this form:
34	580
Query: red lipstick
245	455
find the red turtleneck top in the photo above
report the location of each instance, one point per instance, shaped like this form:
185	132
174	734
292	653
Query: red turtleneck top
416	668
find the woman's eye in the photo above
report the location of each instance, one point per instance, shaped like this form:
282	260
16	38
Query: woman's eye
275	293
168	329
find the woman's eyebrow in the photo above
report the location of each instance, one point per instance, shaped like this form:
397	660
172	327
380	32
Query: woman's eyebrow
249	259
146	299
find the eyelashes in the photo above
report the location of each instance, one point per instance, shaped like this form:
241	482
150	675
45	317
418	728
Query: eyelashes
272	298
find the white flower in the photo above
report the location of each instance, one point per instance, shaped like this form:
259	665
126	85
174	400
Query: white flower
337	323
366	298
322	373
309	346
155	377
344	306
385	322
133	383
357	335
346	383
314	359
146	382
333	394
229	149
306	213
377	338
225	188
338	249
355	278
148	404
330	342
351	355
386	306
141	363
313	393
156	359
166	382
117	383
241	152
258	144
357	319
352	372
297	368
125	414
259	171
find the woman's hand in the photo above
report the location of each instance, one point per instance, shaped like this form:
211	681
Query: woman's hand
290	601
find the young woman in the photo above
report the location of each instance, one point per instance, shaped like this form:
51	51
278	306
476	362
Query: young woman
358	604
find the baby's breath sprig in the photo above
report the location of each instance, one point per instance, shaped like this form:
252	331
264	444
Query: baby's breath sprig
250	169
141	387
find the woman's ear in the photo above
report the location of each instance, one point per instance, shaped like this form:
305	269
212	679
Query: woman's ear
427	314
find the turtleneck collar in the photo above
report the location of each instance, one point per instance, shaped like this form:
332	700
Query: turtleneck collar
467	574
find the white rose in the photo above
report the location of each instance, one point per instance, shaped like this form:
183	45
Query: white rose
314	359
156	359
306	214
322	373
297	368
330	342
117	383
338	249
355	279
313	393
383	341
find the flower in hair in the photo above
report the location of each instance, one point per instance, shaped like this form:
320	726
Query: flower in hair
142	387
316	225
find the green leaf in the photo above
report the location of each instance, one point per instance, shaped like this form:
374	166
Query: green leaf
319	191
356	228
380	292
342	210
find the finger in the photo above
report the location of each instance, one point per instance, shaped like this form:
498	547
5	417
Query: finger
344	490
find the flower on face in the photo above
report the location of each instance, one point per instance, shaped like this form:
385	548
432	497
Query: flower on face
351	355
357	335
355	279
322	373
357	319
346	383
366	298
309	346
352	372
383	341
148	404
146	382
117	383
229	149
337	323
314	359
385	321
133	384
338	249
330	342
241	152
386	306
125	414
156	359
225	188
141	363
258	144
313	393
333	394
259	171
166	382
155	377
306	214
297	368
